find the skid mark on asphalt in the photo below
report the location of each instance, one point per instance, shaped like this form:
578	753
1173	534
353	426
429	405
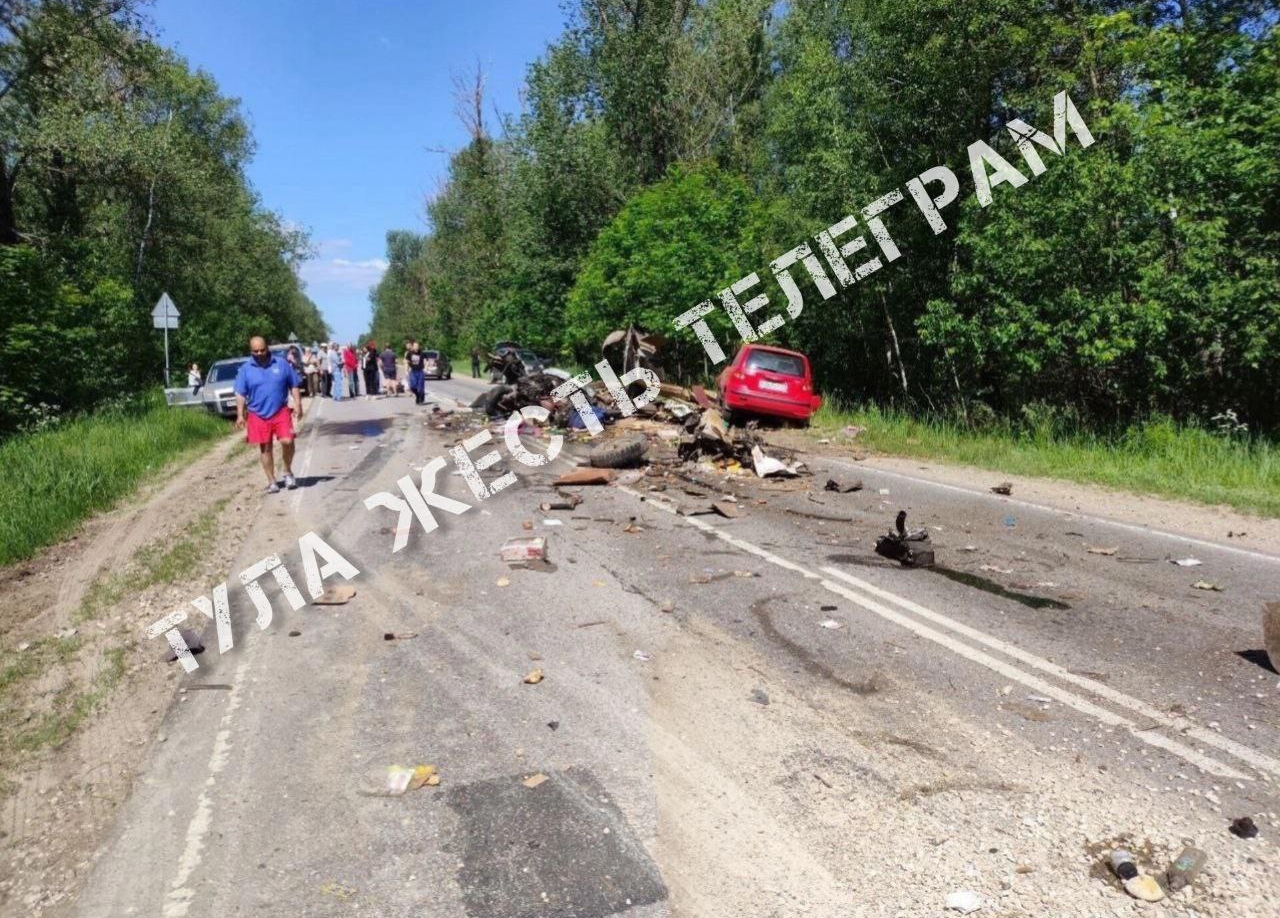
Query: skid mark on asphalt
1182	725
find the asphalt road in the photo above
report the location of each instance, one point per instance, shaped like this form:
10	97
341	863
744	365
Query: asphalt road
739	717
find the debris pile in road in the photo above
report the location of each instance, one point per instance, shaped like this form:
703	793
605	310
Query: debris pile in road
908	548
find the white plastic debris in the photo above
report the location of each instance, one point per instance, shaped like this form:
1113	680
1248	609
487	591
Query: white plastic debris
1188	562
831	624
964	901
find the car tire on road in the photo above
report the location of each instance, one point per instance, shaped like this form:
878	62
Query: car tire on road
619	454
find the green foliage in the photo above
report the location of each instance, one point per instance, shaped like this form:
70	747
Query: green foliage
56	477
698	228
122	176
1156	457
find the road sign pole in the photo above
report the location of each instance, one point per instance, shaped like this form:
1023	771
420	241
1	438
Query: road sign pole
165	315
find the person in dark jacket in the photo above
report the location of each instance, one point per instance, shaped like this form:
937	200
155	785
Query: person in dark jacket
369	366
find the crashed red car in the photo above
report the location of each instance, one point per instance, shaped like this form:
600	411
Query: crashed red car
769	381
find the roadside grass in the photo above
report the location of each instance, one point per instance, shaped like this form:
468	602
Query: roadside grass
53	479
156	564
70	710
1158	458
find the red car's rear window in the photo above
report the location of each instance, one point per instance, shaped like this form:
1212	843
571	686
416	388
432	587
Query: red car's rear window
785	364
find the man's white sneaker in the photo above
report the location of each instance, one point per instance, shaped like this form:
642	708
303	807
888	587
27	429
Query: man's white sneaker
290	482
273	488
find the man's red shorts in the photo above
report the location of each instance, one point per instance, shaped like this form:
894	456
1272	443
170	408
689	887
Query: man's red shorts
262	430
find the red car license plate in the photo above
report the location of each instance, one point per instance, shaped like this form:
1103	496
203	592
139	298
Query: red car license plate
773	386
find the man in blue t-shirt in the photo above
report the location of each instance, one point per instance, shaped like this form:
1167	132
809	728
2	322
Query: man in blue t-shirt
263	387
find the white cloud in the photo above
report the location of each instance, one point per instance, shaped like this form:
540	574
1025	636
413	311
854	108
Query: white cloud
329	275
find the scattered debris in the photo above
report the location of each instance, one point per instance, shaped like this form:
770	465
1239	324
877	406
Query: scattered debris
1186	562
852	432
830	624
528	548
402	636
631	528
728	508
1096	550
1271	631
619	454
759	696
833	485
964	902
1005	488
337	595
995	570
910	549
553	725
585	476
1123	864
1184	868
193	641
563	502
1144	887
503	582
1206	585
1244	827
534	677
769	467
642	656
400	779
534	780
667	606
295	634
827	608
1139	885
599	621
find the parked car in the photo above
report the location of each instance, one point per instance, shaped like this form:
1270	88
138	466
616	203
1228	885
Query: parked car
769	381
218	394
436	364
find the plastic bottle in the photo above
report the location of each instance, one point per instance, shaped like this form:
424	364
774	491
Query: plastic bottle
1184	868
1123	864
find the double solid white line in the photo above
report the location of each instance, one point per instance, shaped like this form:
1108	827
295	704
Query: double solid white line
921	621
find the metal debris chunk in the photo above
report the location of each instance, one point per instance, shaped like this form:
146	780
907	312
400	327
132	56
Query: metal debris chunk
910	549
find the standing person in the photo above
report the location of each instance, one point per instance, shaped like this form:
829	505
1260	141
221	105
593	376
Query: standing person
475	363
194	379
388	360
263	386
309	369
417	372
336	371
351	367
326	378
369	366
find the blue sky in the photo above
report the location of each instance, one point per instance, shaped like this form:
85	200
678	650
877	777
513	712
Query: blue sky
344	99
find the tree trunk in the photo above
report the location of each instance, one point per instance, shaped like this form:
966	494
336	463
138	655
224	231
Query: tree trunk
893	341
8	219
